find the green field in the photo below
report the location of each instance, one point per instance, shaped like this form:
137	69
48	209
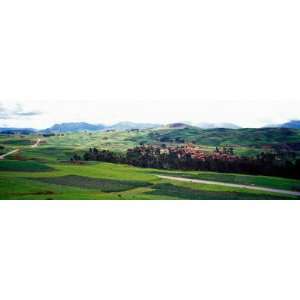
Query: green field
245	137
25	166
111	181
45	172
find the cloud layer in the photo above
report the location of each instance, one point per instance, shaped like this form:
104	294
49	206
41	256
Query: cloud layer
15	112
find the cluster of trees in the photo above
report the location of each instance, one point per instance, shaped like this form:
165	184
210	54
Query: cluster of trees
2	149
178	140
189	158
226	150
100	155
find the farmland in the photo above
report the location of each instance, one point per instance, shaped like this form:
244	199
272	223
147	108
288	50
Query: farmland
45	171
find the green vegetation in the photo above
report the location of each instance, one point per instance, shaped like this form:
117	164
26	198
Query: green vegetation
249	137
197	191
45	172
248	142
104	185
17	142
23	166
113	181
263	181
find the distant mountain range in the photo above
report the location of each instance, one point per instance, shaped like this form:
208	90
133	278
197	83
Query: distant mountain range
291	124
178	125
74	126
12	130
82	126
122	126
203	125
217	125
132	125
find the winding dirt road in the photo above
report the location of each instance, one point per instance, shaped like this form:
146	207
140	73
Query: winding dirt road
36	144
9	153
249	187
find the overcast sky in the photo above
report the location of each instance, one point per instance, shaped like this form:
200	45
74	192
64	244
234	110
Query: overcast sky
149	61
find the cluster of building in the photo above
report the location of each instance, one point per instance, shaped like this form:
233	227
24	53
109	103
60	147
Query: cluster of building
190	150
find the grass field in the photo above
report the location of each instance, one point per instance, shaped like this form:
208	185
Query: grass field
45	173
263	181
112	181
25	166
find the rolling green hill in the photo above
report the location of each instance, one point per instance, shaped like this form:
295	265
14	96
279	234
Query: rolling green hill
220	136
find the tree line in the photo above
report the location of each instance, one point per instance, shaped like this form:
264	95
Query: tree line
189	158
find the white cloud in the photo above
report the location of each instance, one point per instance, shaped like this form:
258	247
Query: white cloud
16	111
244	113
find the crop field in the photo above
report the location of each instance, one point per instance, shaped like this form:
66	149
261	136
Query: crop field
103	185
24	166
45	172
111	181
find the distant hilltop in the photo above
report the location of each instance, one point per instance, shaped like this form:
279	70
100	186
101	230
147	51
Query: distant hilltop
177	125
74	126
12	130
123	126
82	126
218	125
291	124
132	125
203	125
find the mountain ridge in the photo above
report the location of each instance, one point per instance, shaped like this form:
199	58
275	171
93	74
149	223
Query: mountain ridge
127	125
294	124
74	126
217	125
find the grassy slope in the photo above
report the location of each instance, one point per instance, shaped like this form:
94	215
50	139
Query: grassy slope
27	185
263	181
246	141
220	136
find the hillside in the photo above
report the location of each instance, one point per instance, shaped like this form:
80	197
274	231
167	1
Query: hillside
131	125
83	126
178	126
217	125
74	126
291	124
47	172
12	130
216	137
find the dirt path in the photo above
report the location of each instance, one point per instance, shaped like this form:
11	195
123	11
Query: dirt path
36	143
249	187
9	153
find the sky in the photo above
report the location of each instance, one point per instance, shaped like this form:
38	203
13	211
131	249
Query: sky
149	61
43	114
